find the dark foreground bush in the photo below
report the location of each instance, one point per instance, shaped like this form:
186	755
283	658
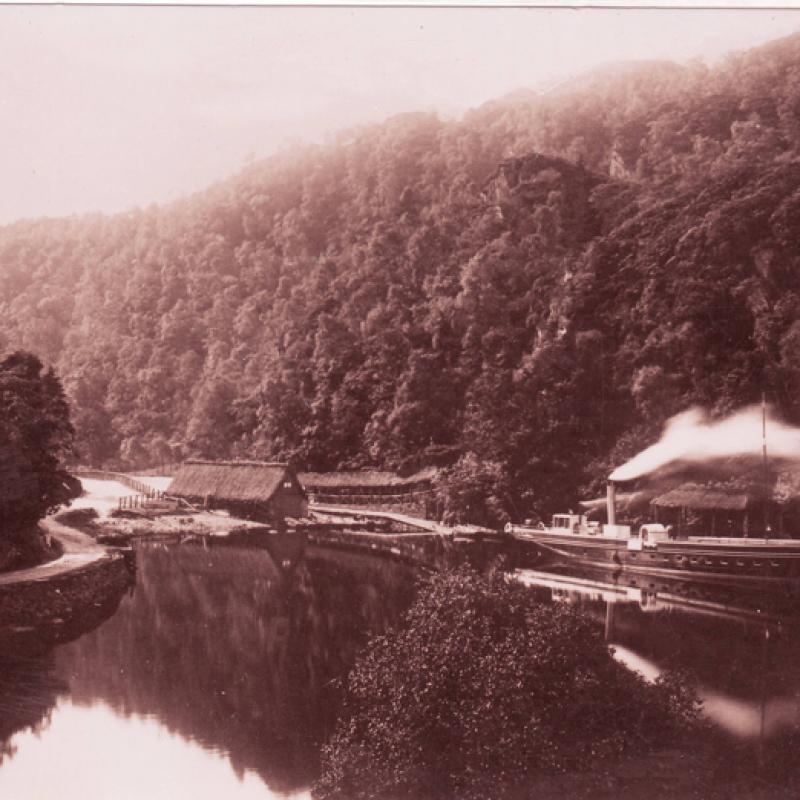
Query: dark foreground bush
26	547
481	691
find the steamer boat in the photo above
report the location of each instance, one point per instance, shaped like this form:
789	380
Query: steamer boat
656	548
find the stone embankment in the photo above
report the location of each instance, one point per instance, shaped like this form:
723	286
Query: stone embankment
66	592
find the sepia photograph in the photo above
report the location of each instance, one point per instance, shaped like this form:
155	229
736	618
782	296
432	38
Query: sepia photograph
399	401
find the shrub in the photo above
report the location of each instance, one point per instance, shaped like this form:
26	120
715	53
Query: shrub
483	689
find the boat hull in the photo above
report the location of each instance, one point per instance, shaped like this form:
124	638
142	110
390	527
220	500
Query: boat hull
740	559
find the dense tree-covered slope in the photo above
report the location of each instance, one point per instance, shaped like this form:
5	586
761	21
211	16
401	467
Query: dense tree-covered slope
539	284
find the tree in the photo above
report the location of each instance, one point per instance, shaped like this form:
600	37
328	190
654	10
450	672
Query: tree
438	284
474	491
483	689
212	429
36	431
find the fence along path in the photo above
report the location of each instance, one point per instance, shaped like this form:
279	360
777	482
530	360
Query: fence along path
144	492
119	477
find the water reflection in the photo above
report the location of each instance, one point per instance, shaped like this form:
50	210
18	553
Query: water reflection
740	645
218	674
30	684
29	689
92	752
233	652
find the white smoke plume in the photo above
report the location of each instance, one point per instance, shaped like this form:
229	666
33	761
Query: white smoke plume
692	438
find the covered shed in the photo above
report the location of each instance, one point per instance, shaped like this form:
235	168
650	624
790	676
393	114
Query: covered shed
259	490
717	510
370	487
366	482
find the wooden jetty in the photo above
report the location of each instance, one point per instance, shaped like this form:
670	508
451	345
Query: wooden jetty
370	514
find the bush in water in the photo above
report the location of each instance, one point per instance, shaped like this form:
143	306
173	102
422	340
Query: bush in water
484	689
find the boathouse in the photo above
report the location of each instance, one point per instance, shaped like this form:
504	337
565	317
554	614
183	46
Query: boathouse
259	490
371	488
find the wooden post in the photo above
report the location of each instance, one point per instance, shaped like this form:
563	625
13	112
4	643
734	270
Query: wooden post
609	626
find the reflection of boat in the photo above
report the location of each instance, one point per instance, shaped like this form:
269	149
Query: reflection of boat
665	594
654	548
738	649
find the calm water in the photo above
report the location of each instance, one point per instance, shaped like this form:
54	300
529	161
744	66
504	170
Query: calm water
215	676
738	644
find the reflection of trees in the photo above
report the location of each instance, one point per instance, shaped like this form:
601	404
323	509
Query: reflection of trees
28	693
715	630
29	683
727	654
225	648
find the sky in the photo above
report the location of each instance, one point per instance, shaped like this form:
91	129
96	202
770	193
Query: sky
109	108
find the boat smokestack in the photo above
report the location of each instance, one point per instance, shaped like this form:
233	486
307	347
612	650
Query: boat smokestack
611	502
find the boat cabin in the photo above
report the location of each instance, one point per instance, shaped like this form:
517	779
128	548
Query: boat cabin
574	523
568	523
646	536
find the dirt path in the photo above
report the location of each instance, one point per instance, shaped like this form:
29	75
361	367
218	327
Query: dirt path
79	550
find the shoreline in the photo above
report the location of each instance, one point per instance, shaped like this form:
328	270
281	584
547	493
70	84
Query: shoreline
59	597
56	606
120	530
77	550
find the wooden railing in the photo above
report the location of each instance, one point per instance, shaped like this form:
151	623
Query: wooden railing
144	493
140	500
119	477
420	503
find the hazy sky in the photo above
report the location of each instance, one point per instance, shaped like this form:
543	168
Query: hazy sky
105	108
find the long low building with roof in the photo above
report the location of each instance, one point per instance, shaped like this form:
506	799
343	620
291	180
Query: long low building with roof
714	509
732	508
373	488
260	490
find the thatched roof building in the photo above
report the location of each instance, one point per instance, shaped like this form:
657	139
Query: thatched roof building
702	498
255	489
732	508
366	481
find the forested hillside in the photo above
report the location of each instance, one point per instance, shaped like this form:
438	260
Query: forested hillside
534	288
